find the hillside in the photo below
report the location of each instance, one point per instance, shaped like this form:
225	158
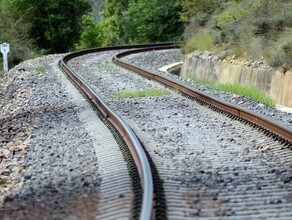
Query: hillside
241	29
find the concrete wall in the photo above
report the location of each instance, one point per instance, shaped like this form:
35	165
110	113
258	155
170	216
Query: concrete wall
276	84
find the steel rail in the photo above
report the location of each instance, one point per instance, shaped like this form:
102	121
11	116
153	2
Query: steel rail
277	130
139	156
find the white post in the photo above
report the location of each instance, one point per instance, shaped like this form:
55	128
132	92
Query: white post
5	50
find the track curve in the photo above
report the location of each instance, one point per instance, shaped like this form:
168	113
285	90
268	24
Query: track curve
126	132
283	134
268	126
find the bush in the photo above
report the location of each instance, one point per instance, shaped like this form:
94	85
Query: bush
90	36
252	29
279	53
200	41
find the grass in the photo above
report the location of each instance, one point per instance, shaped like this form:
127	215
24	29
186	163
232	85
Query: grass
3	182
238	89
106	68
41	69
141	93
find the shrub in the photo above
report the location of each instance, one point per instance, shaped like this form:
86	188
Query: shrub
279	52
90	36
200	41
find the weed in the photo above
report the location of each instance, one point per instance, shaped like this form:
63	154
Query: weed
238	89
41	69
3	182
106	68
141	93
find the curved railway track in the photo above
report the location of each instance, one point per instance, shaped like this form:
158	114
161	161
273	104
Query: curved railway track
270	128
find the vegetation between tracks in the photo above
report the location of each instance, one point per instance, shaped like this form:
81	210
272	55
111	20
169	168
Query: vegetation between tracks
239	90
41	69
141	93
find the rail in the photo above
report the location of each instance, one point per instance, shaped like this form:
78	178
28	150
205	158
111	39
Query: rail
125	131
277	130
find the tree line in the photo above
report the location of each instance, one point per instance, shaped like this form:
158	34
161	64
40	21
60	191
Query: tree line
240	28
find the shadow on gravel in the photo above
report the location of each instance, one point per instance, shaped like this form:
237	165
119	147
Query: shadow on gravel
44	180
52	205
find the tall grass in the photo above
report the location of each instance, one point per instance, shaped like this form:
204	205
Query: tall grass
238	89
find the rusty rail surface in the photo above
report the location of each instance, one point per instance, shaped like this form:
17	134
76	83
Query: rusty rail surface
125	131
278	131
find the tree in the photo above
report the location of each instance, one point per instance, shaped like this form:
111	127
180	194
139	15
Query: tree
91	35
55	24
140	21
14	31
112	23
153	21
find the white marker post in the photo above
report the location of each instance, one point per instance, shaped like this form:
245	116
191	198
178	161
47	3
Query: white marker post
5	50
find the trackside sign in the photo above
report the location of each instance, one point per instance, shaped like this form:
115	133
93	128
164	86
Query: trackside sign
5	49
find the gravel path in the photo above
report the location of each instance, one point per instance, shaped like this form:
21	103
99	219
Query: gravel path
211	166
52	163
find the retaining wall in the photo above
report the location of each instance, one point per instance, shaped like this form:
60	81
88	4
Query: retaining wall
277	84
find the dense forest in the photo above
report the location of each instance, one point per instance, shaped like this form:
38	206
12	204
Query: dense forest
242	29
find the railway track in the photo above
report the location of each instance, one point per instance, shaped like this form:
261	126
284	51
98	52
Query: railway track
198	190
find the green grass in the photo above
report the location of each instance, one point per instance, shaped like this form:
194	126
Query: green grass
141	93
238	89
106	68
41	69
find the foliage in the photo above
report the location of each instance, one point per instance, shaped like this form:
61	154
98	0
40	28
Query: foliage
199	10
91	34
55	24
130	21
200	41
96	6
153	21
252	29
280	52
111	25
14	31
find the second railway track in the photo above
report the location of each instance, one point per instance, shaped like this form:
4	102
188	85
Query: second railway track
212	166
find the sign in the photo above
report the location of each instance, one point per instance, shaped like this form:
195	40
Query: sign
5	48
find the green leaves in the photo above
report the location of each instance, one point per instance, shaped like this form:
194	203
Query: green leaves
249	29
55	24
14	31
140	21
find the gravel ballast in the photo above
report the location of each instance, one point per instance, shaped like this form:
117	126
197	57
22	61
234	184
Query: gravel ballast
49	166
154	60
211	166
